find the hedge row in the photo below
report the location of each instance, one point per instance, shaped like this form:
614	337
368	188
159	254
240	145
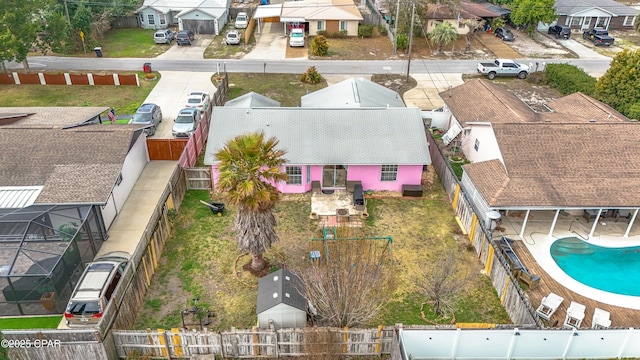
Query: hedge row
569	79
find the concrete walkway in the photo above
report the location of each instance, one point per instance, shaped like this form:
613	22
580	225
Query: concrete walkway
425	95
271	43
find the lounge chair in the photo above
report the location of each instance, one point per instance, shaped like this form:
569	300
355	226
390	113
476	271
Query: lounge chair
549	305
575	315
600	319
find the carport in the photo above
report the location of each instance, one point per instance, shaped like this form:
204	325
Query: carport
267	13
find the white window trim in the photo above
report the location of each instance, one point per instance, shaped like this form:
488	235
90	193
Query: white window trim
629	21
320	25
163	19
308	174
345	27
387	172
297	177
151	19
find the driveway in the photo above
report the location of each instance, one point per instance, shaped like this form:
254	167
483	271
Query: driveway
271	43
188	52
171	94
583	52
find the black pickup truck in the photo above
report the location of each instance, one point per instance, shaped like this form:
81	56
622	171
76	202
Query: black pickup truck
598	37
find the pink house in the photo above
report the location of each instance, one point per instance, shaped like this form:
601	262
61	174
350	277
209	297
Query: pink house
382	147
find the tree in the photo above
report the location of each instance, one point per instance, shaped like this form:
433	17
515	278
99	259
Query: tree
618	87
442	280
249	166
319	46
528	13
19	26
351	284
443	34
473	25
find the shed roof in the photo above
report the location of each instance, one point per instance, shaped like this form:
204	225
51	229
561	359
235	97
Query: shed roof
252	100
166	6
570	7
320	10
280	287
353	93
354	136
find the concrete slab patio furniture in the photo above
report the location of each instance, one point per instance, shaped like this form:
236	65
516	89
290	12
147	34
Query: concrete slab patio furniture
600	319
549	305
575	315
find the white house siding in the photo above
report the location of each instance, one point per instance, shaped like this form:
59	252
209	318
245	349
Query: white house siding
488	148
473	196
144	19
204	23
132	167
460	27
352	27
585	19
283	316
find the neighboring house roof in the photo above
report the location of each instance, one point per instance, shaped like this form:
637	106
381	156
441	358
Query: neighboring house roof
280	287
252	100
267	11
184	6
320	10
570	7
49	116
477	10
77	165
496	8
354	136
443	12
495	104
353	93
562	165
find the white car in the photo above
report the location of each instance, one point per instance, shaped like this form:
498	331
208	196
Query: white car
199	100
241	20
296	38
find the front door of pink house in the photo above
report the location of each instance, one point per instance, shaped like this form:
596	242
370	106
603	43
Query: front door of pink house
334	177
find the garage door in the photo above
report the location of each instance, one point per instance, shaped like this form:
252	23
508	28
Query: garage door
199	26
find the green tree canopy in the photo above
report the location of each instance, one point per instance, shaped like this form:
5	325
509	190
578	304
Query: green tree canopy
529	12
19	26
619	87
249	166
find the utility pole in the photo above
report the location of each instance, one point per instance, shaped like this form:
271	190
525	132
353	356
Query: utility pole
395	31
66	10
413	13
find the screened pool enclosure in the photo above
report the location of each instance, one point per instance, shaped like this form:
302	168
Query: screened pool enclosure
43	250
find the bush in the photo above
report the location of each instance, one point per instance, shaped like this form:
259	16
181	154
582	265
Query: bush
365	30
334	35
382	30
402	42
569	79
312	76
319	46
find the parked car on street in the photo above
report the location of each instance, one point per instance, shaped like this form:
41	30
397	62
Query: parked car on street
163	36
598	36
186	122
296	38
185	37
242	20
560	31
233	37
503	67
148	114
199	100
504	34
95	289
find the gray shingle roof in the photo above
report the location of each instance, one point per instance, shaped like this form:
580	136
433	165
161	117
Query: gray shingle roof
78	165
283	283
570	7
252	100
351	93
52	116
311	136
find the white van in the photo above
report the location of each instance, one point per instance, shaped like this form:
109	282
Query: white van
296	38
242	20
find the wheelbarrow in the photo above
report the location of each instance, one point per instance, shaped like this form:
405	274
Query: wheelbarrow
215	207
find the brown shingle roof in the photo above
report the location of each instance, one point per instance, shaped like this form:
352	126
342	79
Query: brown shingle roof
477	10
586	108
52	116
78	165
562	165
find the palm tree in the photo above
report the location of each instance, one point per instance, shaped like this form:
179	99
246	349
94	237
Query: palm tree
473	25
249	167
443	33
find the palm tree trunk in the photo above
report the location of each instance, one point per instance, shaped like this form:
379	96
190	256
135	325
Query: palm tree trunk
257	262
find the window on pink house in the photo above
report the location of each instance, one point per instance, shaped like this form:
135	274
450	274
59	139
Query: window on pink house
389	173
308	174
295	175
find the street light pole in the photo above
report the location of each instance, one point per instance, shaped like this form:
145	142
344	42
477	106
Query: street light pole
413	13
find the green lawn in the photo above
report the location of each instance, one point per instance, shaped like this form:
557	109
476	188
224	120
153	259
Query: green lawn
36	322
124	99
125	43
285	88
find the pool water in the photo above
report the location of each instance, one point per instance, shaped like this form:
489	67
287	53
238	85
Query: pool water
615	270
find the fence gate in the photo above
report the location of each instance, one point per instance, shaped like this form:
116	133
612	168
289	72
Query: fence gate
198	178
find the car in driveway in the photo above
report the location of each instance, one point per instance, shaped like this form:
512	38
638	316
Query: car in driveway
296	38
199	100
558	31
504	34
95	289
185	37
163	36
233	37
186	122
148	114
241	21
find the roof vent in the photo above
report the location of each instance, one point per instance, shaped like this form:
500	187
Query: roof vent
287	295
275	278
287	277
275	295
547	120
592	120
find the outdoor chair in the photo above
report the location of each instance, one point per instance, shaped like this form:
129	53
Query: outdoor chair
549	305
575	315
600	319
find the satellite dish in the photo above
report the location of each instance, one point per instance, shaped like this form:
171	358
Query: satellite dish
493	215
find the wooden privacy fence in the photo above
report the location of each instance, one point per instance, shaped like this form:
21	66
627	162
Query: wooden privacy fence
17	78
254	343
198	178
506	284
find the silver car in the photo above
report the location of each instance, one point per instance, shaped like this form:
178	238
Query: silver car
148	114
186	122
233	37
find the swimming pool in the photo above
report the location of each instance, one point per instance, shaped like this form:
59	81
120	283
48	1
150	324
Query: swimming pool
615	270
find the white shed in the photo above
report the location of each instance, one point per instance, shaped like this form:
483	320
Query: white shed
280	302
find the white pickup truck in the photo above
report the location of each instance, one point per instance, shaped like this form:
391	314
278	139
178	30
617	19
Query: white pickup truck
503	67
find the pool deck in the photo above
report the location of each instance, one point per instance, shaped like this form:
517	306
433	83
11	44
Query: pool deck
534	251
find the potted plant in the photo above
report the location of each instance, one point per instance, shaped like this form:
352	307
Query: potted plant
48	297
